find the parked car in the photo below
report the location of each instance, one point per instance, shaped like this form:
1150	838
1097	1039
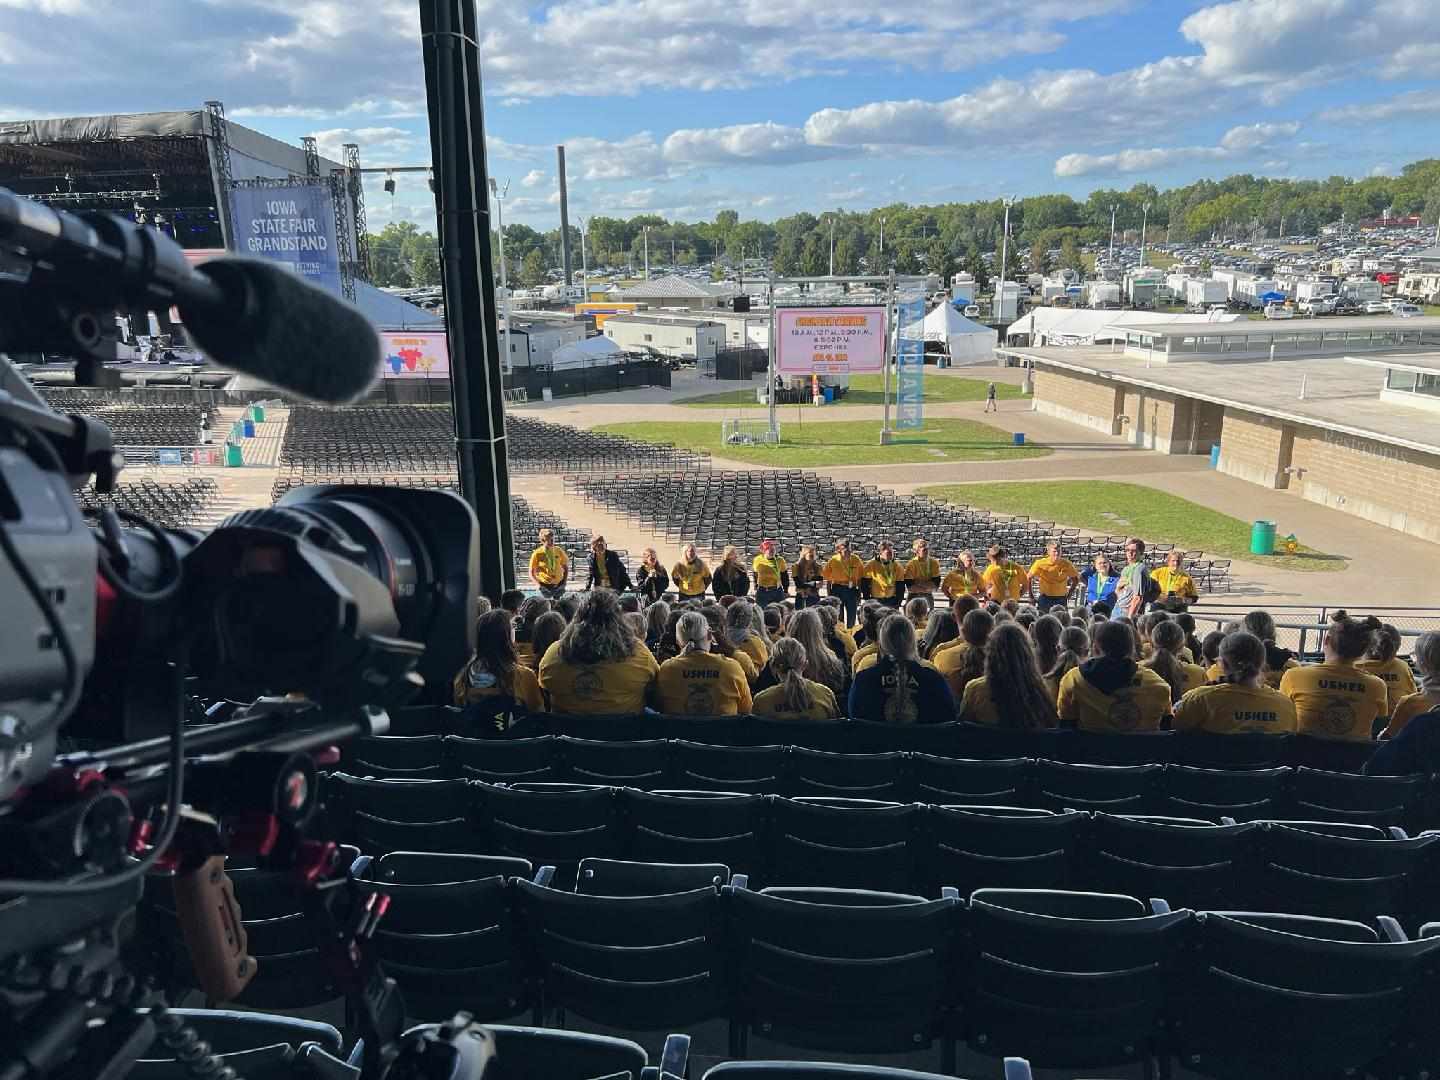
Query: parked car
1346	306
1318	305
1408	311
1275	310
1376	307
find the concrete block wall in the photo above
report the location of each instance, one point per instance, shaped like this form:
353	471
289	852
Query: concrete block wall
1389	485
1254	448
1086	400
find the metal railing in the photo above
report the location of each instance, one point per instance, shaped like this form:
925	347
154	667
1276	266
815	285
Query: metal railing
1301	627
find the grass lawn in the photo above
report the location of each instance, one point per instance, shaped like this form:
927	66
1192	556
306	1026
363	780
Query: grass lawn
1109	507
868	390
844	442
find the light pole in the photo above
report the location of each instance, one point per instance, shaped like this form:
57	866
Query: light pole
1144	221
584	262
1113	208
832	245
645	231
998	307
499	195
882	244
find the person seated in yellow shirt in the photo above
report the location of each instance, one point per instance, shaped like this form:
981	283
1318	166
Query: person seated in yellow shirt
961	663
598	666
794	697
884	576
1277	660
964	580
1054	576
1177	588
1427	659
1011	693
1003	579
1335	699
772	575
549	566
871	615
1167	639
922	573
1111	692
690	575
843	573
720	641
1381	660
698	682
1242	703
495	686
741	633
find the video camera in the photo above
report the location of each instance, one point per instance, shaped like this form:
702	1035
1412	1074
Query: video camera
324	611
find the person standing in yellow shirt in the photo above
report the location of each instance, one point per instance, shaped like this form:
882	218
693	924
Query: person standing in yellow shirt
922	573
690	575
772	575
1003	579
1427	659
1335	699
964	580
698	682
1177	588
843	572
1054	576
549	566
1242	703
1381	660
1111	692
884	576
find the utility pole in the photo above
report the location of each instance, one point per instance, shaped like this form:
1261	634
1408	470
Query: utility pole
1113	208
832	245
1144	221
645	230
499	194
584	262
882	244
674	260
999	305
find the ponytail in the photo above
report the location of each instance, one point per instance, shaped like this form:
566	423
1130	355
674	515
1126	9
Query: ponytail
787	661
1167	637
1242	657
1351	638
1074	648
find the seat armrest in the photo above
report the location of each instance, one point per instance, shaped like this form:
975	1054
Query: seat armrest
544	876
361	866
1390	930
1396	832
1159	907
1017	1069
675	1057
740	881
949	892
1227	820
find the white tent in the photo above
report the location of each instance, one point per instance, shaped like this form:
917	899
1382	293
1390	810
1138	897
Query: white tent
967	342
587	353
1082	326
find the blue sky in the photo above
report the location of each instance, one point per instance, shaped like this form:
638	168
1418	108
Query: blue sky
687	107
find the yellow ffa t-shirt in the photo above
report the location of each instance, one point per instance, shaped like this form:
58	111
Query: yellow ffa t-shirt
771	702
690	578
976	705
1053	575
961	582
1335	701
741	657
1407	709
1175	583
949	662
861	653
1399	679
921	574
612	686
702	684
547	565
768	571
1004	581
1231	709
1139	705
883	576
756	649
525	689
846	571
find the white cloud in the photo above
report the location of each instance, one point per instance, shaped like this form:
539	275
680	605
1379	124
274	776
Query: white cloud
1415	103
1382	168
1234	143
378	145
534	178
632	158
760	144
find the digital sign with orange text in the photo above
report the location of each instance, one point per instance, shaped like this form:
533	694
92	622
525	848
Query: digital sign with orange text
829	341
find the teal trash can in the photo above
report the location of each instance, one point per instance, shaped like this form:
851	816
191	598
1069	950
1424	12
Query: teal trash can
257	413
233	456
248	429
1262	538
1019	438
1214	455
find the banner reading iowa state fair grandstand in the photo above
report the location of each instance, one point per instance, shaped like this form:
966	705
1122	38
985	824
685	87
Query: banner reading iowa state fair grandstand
293	224
829	341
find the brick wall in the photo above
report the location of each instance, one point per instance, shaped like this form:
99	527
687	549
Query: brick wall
1389	485
1087	400
1252	448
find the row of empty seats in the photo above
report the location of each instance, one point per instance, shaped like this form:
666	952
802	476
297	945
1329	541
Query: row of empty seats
173	504
132	423
1067	979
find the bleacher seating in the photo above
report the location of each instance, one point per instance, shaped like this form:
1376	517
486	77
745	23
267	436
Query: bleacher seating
172	504
716	508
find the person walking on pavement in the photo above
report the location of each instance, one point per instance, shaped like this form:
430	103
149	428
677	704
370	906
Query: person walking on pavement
990	404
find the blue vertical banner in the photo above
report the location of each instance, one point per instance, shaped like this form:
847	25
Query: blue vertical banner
910	358
289	223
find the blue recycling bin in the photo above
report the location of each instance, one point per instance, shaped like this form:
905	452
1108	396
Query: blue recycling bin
1019	438
248	429
829	395
1214	455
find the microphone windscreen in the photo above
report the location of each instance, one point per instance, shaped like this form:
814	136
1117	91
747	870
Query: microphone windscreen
286	332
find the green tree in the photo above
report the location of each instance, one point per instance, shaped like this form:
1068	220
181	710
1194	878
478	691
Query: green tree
425	266
1013	270
1040	257
532	269
1070	257
975	264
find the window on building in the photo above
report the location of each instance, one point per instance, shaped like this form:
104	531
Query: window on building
689	341
649	337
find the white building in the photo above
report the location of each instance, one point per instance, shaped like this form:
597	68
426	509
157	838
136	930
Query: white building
674	291
535	335
678	337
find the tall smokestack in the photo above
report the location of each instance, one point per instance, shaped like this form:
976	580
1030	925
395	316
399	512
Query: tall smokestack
564	213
